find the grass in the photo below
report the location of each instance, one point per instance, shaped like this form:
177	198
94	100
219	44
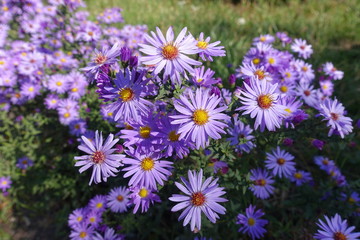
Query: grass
331	26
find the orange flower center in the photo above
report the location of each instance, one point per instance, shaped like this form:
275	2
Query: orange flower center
83	234
264	101
100	59
260	74
280	161
120	198
170	52
307	93
173	136
339	236
260	182
198	199
126	94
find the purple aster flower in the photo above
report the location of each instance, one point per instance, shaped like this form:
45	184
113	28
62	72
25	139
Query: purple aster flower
280	162
98	203
241	136
30	90
304	71
260	101
262	181
170	139
58	83
78	127
93	218
108	235
111	15
264	39
146	168
5	183
199	117
353	198
252	223
169	54
284	38
302	48
292	109
128	95
82	232
327	87
318	143
331	71
333	112
100	157
24	163
253	72
200	197
300	177
308	94
200	77
141	196
118	199
323	162
220	167
77	217
335	229
209	50
51	101
104	57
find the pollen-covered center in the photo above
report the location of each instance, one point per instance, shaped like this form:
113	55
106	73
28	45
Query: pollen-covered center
260	74
24	162
339	236
59	83
170	52
120	198
200	116
82	235
79	218
126	94
143	193
147	164
298	175
173	136
280	161
334	116
198	199
264	101
98	157
260	182
251	221
202	44
100	59
284	89
307	93
271	60
256	61
99	205
145	131
351	200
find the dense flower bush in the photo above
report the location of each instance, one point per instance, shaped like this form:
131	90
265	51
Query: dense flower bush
168	140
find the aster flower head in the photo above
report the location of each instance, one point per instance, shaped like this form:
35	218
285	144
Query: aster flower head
332	71
165	53
284	38
335	229
251	222
128	95
93	218
109	234
118	199
260	100
353	198
333	112
208	50
280	162
256	73
51	101
24	163
241	136
77	217
262	181
100	157
82	232
302	48
200	197
5	183
327	87
200	77
323	162
199	117
142	197
300	177
98	203
146	169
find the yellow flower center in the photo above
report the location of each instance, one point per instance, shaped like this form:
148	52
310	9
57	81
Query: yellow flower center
110	114
198	199
173	136
2	62
59	83
271	60
264	101
288	110
256	61
99	205
325	87
66	115
39	72
284	89
126	94
74	89
262	39
200	117
120	198
31	89
23	54
4	182
145	132
63	60
5	9
83	234
92	219
288	75
280	161
79	218
77	126
199	80
143	193
251	221
304	68
298	175
260	182
147	164
53	101
170	52
260	74
202	44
